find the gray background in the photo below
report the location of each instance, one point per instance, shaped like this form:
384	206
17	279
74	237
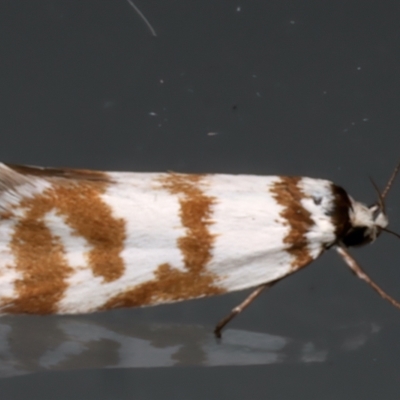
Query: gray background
285	87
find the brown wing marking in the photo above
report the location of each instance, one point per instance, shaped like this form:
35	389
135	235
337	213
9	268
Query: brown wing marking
86	213
340	212
39	254
288	194
171	284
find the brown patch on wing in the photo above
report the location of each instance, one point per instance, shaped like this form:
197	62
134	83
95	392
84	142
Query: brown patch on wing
195	215
340	213
288	194
86	213
4	215
39	254
171	284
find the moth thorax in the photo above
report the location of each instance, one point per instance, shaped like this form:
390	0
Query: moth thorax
366	223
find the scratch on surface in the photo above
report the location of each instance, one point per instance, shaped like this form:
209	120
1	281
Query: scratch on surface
141	15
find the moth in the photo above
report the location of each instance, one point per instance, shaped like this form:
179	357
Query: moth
79	241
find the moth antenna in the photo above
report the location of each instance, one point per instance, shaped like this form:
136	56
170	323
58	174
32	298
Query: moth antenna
141	15
380	197
391	232
390	182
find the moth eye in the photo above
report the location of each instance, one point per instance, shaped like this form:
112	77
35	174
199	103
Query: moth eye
317	200
356	237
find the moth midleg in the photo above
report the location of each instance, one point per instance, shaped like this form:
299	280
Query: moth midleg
239	308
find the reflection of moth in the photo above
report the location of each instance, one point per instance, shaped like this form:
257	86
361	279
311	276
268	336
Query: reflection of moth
76	241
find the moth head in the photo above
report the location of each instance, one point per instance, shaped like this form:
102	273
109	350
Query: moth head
366	223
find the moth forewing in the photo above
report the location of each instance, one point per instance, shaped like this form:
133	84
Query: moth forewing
77	241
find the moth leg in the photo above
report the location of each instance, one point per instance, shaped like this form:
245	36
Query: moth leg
357	270
238	309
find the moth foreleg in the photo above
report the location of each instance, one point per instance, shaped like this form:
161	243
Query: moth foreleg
358	271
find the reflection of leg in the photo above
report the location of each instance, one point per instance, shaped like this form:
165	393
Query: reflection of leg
238	309
355	267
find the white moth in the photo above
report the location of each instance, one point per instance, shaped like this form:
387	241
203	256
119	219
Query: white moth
77	241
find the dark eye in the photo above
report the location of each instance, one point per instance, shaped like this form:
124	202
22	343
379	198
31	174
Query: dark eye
356	237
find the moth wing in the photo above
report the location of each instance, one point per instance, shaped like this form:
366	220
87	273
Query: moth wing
131	239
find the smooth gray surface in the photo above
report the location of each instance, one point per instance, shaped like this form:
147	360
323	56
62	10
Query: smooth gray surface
302	88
